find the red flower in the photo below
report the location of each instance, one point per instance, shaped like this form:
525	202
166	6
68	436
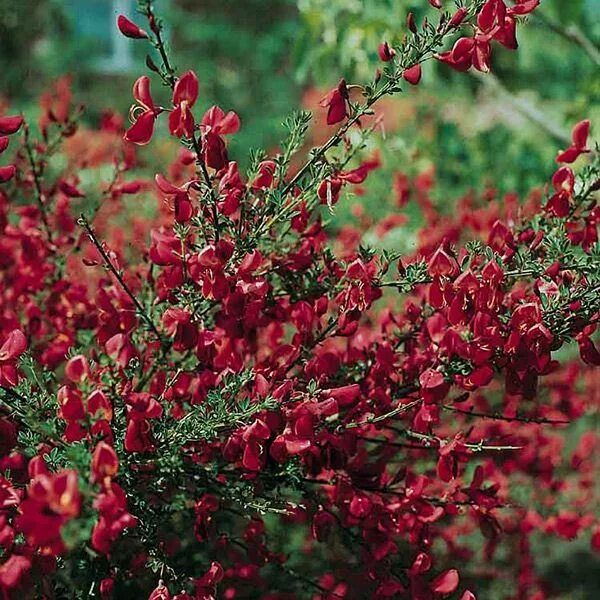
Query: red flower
185	94
141	131
52	500
413	74
113	519
77	369
265	175
563	181
105	462
386	52
216	121
445	583
461	55
336	103
207	584
14	346
10	125
160	592
7	173
214	124
458	17
13	570
182	203
441	264
130	29
579	137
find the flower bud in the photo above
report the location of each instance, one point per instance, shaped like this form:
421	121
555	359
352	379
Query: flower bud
130	29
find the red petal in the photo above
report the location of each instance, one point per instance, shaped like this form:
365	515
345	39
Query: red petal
523	7
186	89
580	133
563	179
413	74
141	131
130	29
166	187
446	583
14	346
570	155
229	124
3	143
10	125
7	173
70	190
141	92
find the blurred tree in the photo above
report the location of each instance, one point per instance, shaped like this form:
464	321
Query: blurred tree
241	52
555	84
24	28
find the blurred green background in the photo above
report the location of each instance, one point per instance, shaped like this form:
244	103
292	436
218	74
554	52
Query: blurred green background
259	57
264	58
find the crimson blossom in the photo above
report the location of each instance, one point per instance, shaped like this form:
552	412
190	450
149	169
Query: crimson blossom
228	398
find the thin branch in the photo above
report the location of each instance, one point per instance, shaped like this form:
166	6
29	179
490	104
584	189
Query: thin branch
39	193
392	413
85	224
528	110
571	33
498	417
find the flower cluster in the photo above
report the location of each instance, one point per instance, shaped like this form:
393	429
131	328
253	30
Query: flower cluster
226	399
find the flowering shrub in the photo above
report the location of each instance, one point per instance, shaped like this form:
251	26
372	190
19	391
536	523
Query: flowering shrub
238	405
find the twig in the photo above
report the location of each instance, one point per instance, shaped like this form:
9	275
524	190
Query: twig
85	224
497	417
572	33
392	413
169	78
541	119
39	194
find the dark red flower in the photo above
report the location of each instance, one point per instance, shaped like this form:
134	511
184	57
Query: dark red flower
10	124
185	94
578	146
141	131
52	500
386	52
130	29
337	103
413	74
